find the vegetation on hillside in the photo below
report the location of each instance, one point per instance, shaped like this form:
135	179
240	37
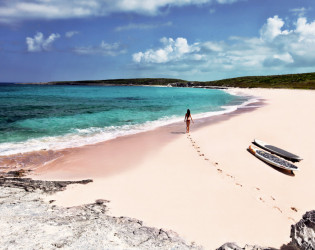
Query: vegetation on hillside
134	81
291	81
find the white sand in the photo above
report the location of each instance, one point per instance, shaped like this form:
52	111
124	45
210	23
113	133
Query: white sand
167	183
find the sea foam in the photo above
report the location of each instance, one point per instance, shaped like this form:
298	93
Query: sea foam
93	135
58	117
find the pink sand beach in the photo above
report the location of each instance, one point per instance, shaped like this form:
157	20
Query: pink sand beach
204	185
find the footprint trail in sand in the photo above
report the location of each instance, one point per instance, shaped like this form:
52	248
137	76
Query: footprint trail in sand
256	192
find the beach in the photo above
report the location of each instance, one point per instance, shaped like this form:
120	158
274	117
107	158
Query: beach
204	185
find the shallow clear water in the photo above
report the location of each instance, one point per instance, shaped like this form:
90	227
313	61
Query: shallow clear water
34	117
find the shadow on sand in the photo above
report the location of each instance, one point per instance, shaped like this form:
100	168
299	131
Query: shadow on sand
178	133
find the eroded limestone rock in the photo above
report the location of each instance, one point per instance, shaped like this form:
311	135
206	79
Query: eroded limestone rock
27	222
29	184
234	246
303	232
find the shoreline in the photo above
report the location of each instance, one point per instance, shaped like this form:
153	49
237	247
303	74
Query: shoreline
205	185
152	139
213	196
157	137
46	155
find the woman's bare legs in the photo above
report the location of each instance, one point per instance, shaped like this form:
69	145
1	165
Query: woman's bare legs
187	126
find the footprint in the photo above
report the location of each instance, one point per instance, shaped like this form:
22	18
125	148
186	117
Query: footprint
202	155
237	184
278	209
219	170
294	209
290	218
257	188
272	198
216	163
206	159
261	199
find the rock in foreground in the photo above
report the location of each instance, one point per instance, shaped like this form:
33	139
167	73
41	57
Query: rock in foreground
303	233
30	185
27	222
234	246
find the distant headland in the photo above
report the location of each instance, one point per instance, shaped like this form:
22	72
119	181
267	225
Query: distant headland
289	81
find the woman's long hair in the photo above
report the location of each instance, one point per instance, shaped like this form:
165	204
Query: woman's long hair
188	113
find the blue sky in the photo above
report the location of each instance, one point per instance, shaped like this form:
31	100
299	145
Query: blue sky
48	40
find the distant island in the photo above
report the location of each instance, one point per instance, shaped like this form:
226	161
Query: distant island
289	81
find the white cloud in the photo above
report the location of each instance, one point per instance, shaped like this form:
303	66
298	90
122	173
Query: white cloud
142	26
71	33
300	11
173	50
153	6
286	57
18	10
272	28
39	43
275	50
226	1
213	46
305	30
105	49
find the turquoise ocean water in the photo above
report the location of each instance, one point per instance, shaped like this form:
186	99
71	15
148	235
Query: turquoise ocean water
35	117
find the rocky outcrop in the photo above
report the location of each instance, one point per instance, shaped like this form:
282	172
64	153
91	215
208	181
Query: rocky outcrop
234	246
181	84
302	236
194	85
29	184
303	233
230	246
27	222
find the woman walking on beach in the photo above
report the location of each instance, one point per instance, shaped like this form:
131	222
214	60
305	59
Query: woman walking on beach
187	120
